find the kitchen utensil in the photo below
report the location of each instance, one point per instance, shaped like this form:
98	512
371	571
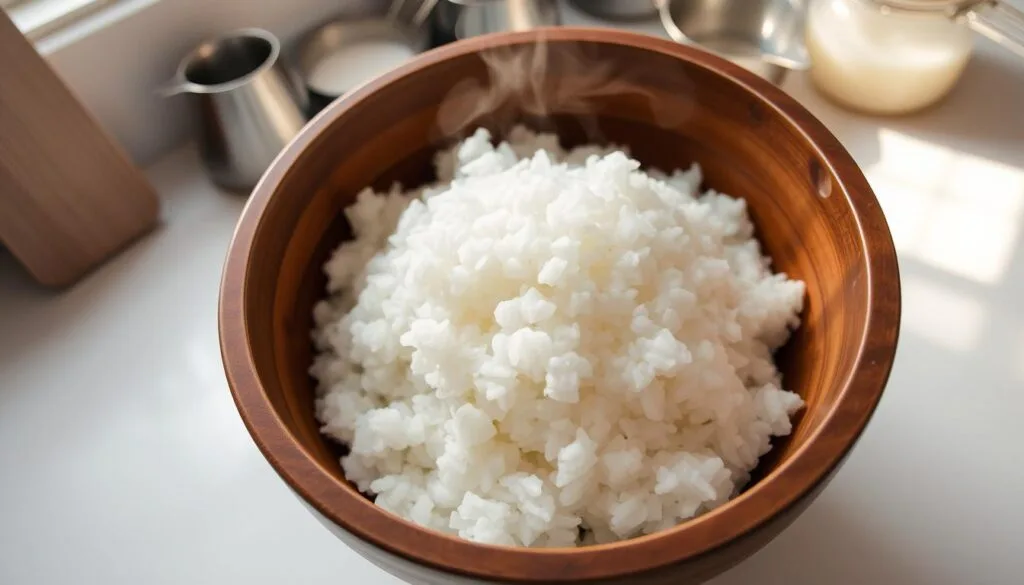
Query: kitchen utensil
765	36
815	215
897	57
462	19
618	10
345	53
250	105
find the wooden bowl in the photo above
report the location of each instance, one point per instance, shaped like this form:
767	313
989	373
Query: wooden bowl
813	209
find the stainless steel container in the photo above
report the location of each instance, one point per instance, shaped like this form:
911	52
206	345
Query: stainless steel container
250	106
461	19
764	36
618	10
333	38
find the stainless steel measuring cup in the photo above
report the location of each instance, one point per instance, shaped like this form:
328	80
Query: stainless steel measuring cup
250	105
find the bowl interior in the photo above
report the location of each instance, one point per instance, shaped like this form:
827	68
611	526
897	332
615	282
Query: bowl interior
668	111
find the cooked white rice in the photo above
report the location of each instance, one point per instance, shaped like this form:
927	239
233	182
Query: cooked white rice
552	349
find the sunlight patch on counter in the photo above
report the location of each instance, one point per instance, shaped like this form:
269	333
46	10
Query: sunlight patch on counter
952	211
941	316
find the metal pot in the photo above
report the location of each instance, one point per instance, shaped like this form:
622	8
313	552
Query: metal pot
462	19
618	10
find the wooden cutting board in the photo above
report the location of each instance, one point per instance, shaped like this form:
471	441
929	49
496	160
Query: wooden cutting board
69	195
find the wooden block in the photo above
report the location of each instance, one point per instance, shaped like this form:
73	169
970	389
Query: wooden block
69	195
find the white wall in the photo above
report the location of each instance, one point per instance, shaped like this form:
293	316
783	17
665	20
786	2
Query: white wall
115	63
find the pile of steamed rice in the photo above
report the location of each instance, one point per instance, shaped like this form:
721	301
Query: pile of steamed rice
551	349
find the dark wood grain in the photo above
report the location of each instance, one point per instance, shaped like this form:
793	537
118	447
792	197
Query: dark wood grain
69	196
679	105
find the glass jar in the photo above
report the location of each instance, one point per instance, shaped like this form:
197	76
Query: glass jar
883	61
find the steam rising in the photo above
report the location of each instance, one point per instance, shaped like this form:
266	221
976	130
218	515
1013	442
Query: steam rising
543	79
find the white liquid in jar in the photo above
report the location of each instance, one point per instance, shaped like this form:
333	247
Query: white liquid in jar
883	63
353	65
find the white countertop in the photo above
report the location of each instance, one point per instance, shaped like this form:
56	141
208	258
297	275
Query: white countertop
124	462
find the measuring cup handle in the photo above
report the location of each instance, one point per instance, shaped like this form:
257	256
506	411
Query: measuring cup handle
998	21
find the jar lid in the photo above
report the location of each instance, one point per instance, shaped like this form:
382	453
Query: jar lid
949	7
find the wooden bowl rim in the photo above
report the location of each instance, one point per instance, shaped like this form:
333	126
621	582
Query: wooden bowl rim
784	486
